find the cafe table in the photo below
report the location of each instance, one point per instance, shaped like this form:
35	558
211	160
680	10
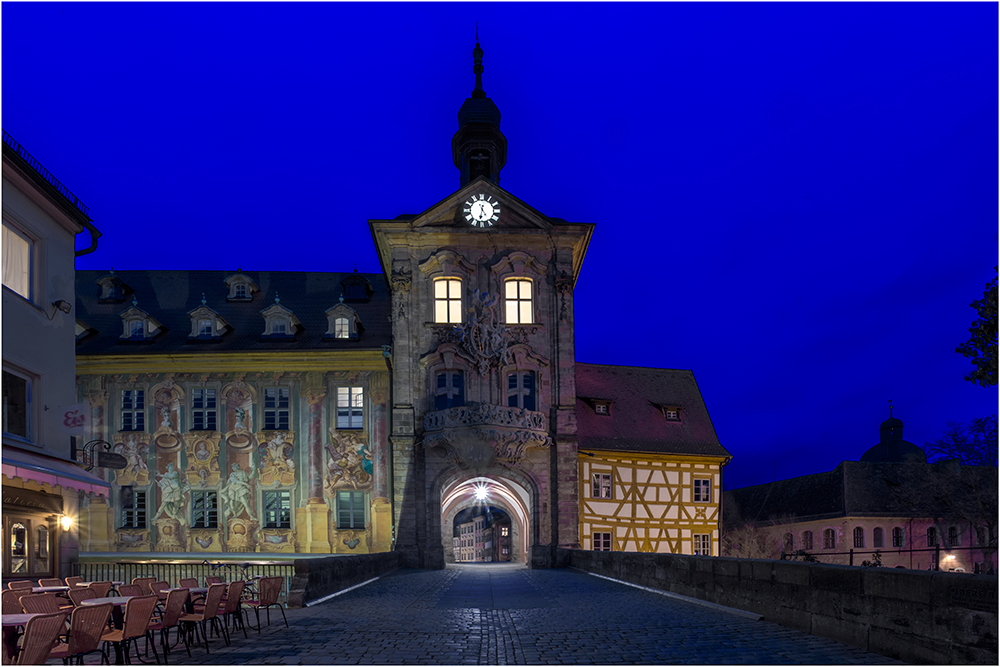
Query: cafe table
50	589
117	617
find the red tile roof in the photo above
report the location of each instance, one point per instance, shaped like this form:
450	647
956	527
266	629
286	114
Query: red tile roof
636	421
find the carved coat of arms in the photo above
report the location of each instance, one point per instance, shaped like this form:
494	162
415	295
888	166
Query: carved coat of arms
484	337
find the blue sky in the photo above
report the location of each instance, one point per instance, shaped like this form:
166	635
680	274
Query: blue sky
796	201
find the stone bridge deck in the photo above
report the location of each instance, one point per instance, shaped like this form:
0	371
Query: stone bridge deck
500	614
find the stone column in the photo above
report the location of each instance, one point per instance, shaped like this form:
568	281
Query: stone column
381	506
313	520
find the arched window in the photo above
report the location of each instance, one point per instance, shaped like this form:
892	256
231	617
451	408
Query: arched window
448	301
954	539
829	539
898	537
517	298
788	543
878	538
859	537
521	390
932	539
450	390
807	540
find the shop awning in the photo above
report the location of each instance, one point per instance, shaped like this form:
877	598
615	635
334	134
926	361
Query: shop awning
48	470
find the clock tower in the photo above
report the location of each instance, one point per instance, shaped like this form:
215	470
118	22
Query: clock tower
479	147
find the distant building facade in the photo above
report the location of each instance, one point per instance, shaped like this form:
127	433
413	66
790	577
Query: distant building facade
41	482
916	515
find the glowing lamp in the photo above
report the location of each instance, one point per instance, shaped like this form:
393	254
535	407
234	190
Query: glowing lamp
481	492
66	522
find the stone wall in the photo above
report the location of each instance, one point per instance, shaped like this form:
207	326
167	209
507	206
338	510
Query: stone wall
318	577
915	616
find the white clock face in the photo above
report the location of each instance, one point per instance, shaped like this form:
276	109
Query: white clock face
482	211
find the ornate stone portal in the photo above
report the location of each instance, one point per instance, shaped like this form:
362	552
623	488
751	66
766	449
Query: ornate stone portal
480	434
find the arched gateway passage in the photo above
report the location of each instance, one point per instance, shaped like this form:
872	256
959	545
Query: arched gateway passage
513	496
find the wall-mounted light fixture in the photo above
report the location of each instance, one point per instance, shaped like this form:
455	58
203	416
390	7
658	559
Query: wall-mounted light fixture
66	522
63	305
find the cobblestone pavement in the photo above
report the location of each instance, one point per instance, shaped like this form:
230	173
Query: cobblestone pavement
500	614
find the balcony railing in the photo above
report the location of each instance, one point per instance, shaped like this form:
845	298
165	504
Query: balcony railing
44	173
484	414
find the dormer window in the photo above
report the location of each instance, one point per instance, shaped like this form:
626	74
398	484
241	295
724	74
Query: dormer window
206	324
672	413
602	408
241	288
204	328
356	288
138	326
342	323
112	289
279	322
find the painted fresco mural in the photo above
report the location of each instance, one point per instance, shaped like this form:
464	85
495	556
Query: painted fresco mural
237	487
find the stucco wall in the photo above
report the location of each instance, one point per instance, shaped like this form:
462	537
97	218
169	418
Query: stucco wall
916	616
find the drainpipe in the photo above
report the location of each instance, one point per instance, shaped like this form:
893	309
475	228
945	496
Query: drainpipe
94	235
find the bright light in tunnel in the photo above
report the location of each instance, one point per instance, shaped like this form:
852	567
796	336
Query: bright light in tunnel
481	492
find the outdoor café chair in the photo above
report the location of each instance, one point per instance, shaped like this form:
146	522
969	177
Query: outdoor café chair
40	636
172	610
12	601
78	595
41	603
50	582
138	612
188	583
86	628
73	582
20	584
101	588
269	588
213	580
209	613
133	590
144	583
231	607
159	589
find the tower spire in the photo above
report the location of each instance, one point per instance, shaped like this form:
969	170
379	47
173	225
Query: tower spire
479	149
477	68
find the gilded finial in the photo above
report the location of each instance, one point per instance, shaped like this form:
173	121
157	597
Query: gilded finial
203	302
276	298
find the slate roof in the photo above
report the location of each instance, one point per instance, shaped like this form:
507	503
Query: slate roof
856	488
168	297
636	422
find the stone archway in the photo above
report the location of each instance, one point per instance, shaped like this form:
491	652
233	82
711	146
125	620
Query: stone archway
515	496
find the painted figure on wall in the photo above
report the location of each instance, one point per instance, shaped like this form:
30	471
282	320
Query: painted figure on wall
237	492
172	490
136	470
348	465
277	465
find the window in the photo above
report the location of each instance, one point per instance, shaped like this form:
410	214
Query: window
204	509
279	328
203	409
521	390
788	543
240	291
448	301
601	408
517	292
503	531
980	534
276	409
702	545
277	509
16	404
341	328
898	537
133	410
602	542
350	509
807	540
703	490
878	538
932	539
450	392
829	539
356	292
602	486
859	537
133	505
672	414
17	262
136	329
954	539
350	407
205	328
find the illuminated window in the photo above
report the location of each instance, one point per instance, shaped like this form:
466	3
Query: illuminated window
276	409
133	505
517	296
878	538
898	537
448	301
350	509
350	407
602	486
204	509
521	390
829	539
341	328
203	410
17	261
17	417
702	545
859	537
602	542
601	408
503	531
807	540
703	490
672	414
450	391
205	328
277	509
133	410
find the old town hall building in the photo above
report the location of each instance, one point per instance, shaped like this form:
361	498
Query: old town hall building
284	412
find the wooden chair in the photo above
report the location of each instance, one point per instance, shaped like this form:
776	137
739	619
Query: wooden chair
144	583
42	603
73	582
172	611
209	613
12	601
20	584
50	582
269	588
214	580
159	589
138	612
134	590
87	625
78	595
40	636
102	589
